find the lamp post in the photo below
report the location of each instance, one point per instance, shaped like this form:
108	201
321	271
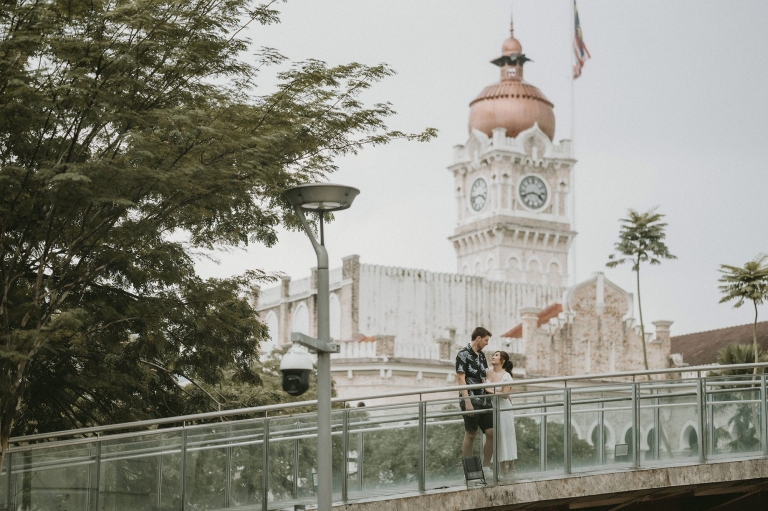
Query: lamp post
321	198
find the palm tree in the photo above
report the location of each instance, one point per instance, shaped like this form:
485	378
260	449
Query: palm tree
747	283
641	239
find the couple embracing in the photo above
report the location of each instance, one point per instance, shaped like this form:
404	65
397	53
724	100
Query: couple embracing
472	368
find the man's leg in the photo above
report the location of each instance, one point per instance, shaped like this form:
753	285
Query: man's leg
488	447
469	443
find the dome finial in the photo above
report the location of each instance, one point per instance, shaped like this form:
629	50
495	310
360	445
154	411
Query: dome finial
511	23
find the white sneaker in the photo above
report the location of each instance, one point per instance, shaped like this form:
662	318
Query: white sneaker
488	473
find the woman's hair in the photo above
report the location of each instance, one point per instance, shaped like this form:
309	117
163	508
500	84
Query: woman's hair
506	363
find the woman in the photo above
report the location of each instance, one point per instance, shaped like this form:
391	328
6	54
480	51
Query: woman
501	372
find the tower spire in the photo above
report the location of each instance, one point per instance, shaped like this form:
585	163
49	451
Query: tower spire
511	23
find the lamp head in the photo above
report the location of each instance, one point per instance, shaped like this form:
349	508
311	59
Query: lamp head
321	196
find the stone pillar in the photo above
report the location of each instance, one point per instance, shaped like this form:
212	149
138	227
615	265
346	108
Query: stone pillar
445	348
285	283
530	320
255	290
284	314
350	270
385	346
662	343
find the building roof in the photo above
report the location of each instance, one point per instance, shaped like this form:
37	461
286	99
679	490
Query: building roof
544	316
701	348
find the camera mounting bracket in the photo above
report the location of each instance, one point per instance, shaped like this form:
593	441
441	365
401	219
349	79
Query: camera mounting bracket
315	344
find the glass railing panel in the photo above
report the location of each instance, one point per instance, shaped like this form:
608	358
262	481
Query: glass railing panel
617	427
555	435
391	447
138	469
531	431
444	438
247	473
586	417
674	411
734	415
292	446
208	455
54	478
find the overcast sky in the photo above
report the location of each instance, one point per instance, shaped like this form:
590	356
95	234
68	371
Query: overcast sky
671	111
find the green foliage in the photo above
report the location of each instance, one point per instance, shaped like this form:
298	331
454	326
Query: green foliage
737	353
641	239
749	282
131	136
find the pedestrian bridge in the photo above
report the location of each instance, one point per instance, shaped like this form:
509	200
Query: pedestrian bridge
597	442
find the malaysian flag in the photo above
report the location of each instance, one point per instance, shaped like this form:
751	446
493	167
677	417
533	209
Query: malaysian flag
579	48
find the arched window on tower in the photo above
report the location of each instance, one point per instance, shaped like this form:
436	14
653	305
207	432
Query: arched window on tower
534	275
300	320
478	268
334	311
513	270
553	276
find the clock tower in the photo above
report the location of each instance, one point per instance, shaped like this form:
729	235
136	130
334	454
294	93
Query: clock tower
513	184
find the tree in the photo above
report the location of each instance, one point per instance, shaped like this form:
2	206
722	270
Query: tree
641	239
749	282
745	420
131	137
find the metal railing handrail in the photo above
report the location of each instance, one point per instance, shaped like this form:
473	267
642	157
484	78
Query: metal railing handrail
96	430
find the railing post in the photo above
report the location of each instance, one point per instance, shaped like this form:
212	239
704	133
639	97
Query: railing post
97	474
763	415
345	454
656	432
710	424
265	467
228	476
8	481
567	431
360	458
702	409
422	446
183	471
543	436
600	432
496	433
158	481
635	425
295	486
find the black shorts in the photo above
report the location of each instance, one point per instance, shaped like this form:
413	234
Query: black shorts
482	418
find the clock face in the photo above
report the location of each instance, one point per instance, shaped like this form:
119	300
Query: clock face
533	192
478	194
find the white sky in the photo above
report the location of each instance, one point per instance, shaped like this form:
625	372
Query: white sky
671	111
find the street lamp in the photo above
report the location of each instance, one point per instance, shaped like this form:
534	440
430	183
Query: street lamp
321	198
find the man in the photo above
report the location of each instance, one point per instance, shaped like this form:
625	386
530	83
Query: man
471	368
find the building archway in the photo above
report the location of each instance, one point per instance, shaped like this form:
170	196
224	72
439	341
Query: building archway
300	321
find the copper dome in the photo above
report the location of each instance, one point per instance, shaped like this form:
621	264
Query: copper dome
514	105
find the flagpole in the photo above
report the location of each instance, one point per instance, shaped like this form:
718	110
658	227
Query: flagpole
571	4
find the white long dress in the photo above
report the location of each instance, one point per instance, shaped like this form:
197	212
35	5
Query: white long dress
507	438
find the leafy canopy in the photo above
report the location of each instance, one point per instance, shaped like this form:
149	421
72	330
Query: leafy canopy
749	282
132	136
641	239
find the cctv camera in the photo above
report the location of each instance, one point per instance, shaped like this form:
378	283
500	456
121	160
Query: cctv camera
296	366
